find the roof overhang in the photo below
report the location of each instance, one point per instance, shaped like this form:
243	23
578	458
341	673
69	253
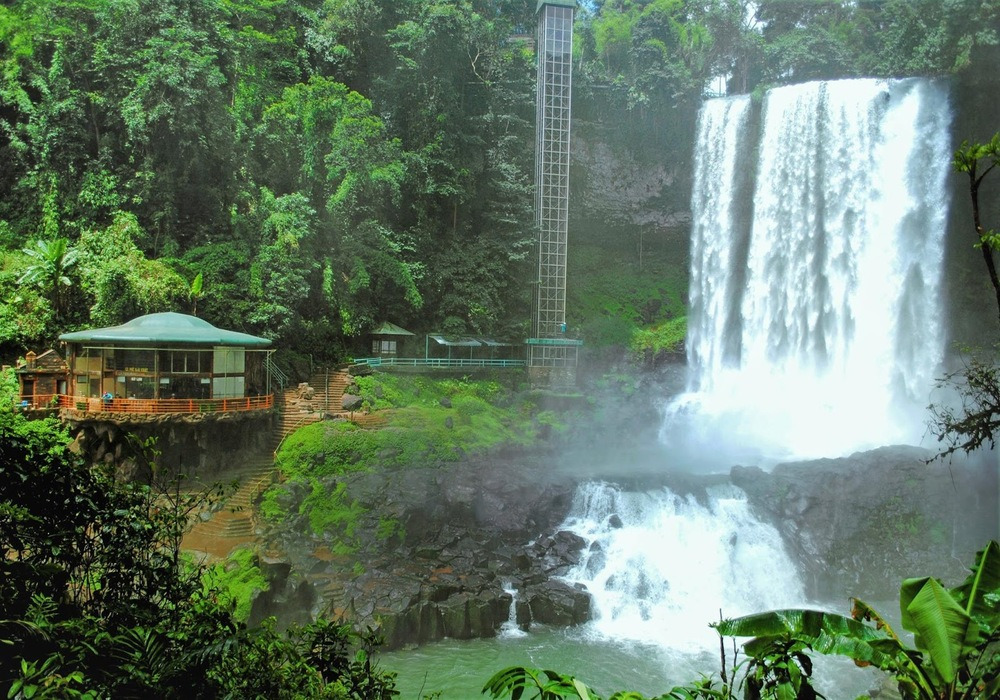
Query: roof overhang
560	3
390	329
455	342
558	342
164	328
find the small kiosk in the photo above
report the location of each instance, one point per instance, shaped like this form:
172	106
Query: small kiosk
41	379
388	340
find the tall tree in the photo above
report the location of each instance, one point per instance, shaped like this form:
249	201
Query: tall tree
324	141
928	37
51	264
120	281
462	96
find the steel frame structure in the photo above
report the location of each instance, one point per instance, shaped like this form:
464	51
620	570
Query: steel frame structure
554	84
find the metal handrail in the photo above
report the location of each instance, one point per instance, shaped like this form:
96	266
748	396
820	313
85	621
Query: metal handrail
276	373
435	362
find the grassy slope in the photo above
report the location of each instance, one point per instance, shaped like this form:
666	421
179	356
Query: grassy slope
612	302
433	421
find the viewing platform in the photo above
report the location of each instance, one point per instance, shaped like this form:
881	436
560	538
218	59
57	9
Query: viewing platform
162	364
391	344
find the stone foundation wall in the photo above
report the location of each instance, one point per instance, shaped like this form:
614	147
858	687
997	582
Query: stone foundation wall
205	446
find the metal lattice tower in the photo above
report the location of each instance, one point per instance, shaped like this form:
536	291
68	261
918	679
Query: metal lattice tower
548	347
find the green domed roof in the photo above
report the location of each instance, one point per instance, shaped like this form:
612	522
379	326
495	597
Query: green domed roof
167	327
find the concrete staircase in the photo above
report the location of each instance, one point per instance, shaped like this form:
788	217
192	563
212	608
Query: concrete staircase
330	386
233	524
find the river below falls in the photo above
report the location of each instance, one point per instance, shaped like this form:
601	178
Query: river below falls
660	567
458	669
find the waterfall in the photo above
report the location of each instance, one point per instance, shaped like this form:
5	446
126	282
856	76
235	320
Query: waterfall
660	566
815	323
510	629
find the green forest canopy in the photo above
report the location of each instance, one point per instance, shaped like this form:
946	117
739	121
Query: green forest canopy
324	165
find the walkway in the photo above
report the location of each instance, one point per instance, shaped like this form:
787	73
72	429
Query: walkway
233	524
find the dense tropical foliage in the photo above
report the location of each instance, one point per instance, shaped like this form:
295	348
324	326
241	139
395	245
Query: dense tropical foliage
304	169
97	600
320	166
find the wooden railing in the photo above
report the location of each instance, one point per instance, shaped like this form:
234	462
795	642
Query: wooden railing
146	406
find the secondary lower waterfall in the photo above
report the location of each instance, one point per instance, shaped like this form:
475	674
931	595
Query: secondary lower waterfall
660	566
815	324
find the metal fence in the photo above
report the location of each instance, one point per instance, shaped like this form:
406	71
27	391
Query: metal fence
440	362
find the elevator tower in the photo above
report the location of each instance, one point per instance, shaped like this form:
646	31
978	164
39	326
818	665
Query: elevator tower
552	357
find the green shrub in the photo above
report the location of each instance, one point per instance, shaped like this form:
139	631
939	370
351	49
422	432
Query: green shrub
8	387
669	336
236	581
326	448
269	507
332	512
609	303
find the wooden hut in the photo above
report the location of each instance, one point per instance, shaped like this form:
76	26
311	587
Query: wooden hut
388	340
41	379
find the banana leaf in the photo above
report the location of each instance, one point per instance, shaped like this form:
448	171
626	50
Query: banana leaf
542	684
827	633
941	628
979	594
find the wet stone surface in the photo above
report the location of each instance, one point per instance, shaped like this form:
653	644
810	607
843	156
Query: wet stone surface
464	534
467	533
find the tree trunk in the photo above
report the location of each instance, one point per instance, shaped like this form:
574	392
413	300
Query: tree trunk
983	245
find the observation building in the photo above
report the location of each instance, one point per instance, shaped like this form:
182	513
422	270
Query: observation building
166	363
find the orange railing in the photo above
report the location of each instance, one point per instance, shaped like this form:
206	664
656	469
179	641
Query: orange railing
99	405
38	401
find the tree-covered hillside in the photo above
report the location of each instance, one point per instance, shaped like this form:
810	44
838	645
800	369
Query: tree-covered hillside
305	169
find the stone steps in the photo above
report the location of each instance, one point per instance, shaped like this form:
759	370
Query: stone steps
371	420
330	387
233	524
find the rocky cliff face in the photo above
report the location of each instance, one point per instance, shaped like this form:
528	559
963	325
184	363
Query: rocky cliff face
436	549
630	188
203	445
859	525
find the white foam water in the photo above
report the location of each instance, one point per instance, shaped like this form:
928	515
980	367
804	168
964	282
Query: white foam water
660	566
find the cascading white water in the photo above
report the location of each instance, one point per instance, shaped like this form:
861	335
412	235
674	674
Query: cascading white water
722	128
510	629
815	328
659	566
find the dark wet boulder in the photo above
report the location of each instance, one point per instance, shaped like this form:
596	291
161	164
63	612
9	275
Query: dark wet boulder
351	402
556	602
865	522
